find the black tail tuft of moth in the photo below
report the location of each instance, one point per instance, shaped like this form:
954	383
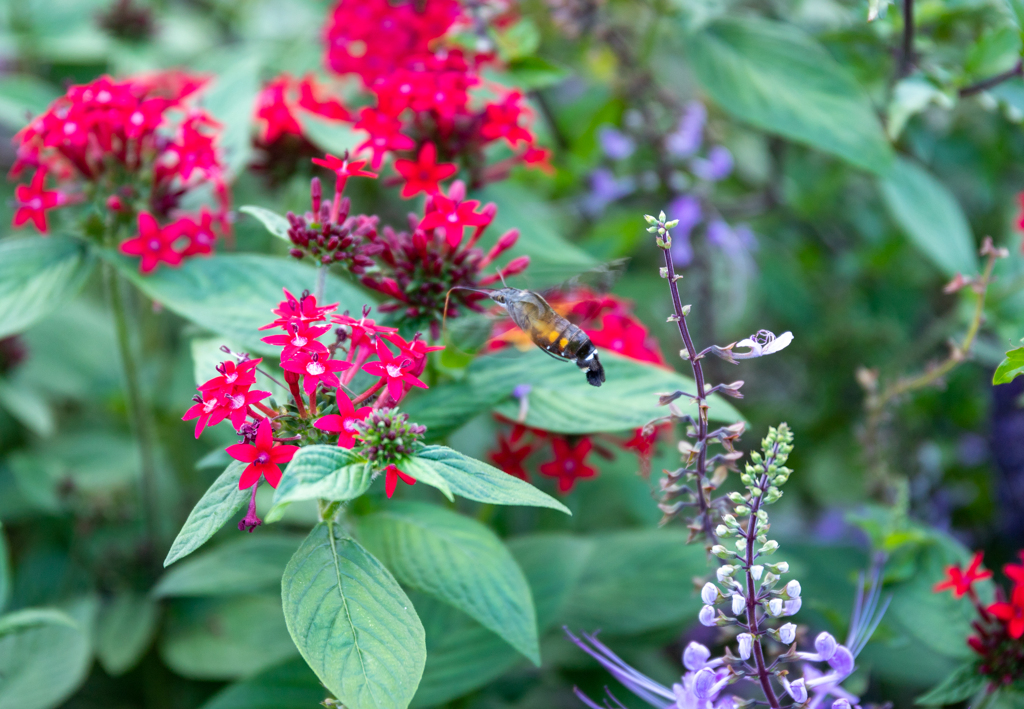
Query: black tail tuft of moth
595	371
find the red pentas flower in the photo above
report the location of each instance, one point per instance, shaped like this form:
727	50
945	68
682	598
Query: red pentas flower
1011	612
501	120
315	370
264	457
141	148
424	174
345	422
362	333
300	311
228	396
395	372
391	477
300	340
385	134
960	581
453	216
512	452
570	463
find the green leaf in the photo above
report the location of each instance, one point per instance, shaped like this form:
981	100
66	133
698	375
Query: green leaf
476	480
560	400
243	565
1016	8
779	79
553	564
230	99
910	96
323	471
518	41
125	628
27	405
334	137
530	73
996	51
553	259
37	276
1010	368
637	580
289	686
225	638
5	570
233	294
23	97
44	657
929	214
274	222
957	687
459	561
215	508
352	622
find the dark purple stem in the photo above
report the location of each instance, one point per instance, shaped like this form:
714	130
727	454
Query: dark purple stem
702	407
907	52
988	83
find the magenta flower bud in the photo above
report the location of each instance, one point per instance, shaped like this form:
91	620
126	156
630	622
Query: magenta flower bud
703	681
746	645
826	646
707	617
709	594
842	661
316	193
695	656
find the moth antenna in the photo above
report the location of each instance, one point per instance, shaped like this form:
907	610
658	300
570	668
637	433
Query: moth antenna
444	313
501	276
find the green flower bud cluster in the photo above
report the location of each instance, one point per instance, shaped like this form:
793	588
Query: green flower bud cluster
661	227
386	437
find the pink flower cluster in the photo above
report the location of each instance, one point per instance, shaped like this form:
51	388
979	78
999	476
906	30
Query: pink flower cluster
134	147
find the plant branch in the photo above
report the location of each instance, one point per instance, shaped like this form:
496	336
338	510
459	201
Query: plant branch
907	51
138	411
985	84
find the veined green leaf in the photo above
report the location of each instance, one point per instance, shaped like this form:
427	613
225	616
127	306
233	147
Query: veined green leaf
459	561
777	78
476	480
1010	368
274	222
37	276
125	628
929	214
215	508
291	685
352	622
44	657
323	471
245	564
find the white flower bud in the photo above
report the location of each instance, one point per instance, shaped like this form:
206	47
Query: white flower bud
695	656
792	589
756	572
775	607
720	551
739	604
707	617
787	634
746	644
741	544
722	531
770	547
798	690
826	646
725	572
710	594
780	568
791	607
703	681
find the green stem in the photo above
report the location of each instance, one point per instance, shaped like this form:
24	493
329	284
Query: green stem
138	411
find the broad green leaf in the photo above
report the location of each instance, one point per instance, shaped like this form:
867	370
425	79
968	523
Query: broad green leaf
215	508
233	294
291	685
1016	8
518	41
553	259
560	399
323	471
637	580
957	687
230	100
334	137
352	622
246	564
5	570
225	638
777	78
1010	368
44	657
27	405
37	276
463	655
274	222
911	96
929	214
443	409
125	628
476	480
22	97
996	51
459	561
529	73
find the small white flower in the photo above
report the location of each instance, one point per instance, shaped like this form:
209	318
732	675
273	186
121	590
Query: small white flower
762	343
725	572
770	547
695	656
798	691
826	646
746	641
787	634
739	604
780	568
709	594
707	617
775	607
703	681
756	572
793	589
791	607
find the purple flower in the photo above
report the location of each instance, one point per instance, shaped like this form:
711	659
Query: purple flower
615	144
688	136
686	208
717	166
605	188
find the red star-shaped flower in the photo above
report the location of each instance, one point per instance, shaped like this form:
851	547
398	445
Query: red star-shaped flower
300	340
417	351
293	309
233	377
238	405
344	423
209	411
453	217
1012	612
33	201
316	370
570	463
960	581
263	457
396	371
391	477
1015	572
343	167
424	173
510	455
330	108
200	234
153	244
502	121
272	108
364	330
385	134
